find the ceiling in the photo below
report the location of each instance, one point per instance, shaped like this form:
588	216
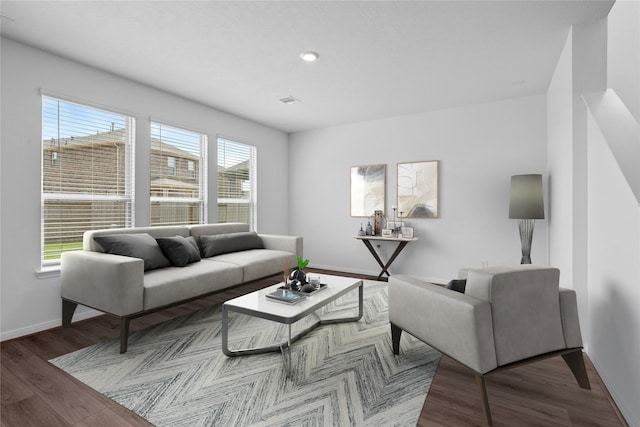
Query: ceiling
377	58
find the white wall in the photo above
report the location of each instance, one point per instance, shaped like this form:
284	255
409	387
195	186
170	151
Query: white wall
590	195
28	303
623	53
560	165
479	147
614	275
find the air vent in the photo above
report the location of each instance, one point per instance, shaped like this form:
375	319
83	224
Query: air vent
289	100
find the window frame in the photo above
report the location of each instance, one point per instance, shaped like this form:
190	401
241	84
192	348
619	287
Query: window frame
127	198
200	173
251	201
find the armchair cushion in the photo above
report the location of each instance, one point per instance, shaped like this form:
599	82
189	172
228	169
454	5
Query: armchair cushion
457	285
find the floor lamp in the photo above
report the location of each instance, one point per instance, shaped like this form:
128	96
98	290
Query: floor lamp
526	204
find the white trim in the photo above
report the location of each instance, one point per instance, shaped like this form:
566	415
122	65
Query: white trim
51	324
47	272
85	102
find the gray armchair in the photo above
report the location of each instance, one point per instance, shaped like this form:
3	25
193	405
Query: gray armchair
507	316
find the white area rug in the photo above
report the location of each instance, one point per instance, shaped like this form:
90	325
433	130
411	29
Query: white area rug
174	373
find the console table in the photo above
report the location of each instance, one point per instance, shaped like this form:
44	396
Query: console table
402	242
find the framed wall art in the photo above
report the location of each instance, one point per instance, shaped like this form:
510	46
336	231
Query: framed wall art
368	189
418	189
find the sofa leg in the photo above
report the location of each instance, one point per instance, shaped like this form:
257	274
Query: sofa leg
124	334
575	361
68	308
396	332
482	388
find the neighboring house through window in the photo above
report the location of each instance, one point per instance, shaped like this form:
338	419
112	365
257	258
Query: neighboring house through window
87	177
178	176
236	182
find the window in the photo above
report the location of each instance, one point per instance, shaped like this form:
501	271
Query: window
178	176
87	175
191	169
171	166
236	182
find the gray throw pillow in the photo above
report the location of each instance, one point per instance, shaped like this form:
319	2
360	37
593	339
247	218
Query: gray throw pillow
218	244
135	245
458	285
179	250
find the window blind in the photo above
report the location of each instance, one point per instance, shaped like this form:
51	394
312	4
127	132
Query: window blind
178	176
236	182
87	174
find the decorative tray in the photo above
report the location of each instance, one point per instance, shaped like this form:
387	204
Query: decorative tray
286	296
322	287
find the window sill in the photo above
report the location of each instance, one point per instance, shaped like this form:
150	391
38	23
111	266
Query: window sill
47	272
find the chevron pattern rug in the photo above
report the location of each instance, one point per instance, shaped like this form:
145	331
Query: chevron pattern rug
174	373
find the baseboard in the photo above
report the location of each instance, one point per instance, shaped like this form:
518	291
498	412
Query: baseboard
610	397
437	280
32	329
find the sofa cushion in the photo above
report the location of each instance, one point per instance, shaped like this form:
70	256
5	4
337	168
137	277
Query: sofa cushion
178	250
255	263
226	243
136	245
173	284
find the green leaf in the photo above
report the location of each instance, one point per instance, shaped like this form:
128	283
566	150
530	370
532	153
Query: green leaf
302	264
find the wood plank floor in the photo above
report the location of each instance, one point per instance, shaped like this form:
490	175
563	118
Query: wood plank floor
36	393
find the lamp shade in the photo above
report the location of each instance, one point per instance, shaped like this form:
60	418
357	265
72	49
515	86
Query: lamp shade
526	200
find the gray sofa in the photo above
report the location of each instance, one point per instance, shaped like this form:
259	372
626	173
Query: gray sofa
218	256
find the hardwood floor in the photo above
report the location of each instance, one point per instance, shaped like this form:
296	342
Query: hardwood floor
36	393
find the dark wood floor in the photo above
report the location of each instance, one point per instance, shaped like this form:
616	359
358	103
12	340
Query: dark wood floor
36	393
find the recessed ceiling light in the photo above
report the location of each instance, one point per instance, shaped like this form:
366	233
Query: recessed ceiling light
309	56
289	100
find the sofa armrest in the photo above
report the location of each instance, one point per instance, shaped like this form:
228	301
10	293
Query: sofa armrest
454	323
291	244
110	283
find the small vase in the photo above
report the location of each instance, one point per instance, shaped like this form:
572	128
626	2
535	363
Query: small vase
298	275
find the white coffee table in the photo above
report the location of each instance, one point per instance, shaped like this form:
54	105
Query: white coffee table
256	304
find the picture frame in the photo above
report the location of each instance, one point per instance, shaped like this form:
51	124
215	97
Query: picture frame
368	189
394	224
407	232
387	232
417	189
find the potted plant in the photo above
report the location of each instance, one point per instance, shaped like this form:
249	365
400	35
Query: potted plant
298	273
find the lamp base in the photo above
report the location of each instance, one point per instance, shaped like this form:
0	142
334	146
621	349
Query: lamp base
526	236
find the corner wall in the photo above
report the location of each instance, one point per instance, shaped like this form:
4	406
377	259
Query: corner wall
594	218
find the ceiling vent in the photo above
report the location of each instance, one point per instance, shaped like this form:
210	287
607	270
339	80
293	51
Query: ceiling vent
289	100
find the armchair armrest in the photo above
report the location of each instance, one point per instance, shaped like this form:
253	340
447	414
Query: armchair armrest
110	283
455	324
291	244
569	317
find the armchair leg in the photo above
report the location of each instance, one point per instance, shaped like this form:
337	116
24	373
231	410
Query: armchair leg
482	388
124	334
575	361
68	308
396	332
